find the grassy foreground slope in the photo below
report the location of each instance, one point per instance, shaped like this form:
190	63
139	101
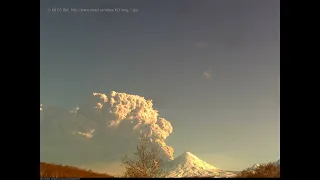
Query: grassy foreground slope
48	170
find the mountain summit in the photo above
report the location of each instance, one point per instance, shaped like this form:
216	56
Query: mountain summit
189	165
190	160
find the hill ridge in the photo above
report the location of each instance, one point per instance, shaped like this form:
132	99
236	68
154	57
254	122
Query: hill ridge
49	170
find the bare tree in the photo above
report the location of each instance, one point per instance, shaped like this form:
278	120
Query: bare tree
146	163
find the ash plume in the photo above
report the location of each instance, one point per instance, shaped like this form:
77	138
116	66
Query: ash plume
137	113
106	126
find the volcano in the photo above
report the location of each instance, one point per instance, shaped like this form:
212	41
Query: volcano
189	165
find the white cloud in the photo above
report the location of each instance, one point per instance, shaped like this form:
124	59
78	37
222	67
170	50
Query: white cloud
88	134
202	44
207	74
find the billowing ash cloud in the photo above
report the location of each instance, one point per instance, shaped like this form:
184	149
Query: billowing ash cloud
108	125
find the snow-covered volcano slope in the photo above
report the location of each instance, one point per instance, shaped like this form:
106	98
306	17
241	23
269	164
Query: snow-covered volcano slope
189	165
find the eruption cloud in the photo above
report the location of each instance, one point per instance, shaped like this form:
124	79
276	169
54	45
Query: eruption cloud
126	107
106	125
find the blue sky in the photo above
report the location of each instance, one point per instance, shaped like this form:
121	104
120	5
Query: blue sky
212	68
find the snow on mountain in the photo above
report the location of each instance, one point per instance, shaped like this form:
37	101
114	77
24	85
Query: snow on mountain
254	167
189	165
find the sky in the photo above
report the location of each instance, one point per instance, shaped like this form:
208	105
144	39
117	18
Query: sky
211	67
